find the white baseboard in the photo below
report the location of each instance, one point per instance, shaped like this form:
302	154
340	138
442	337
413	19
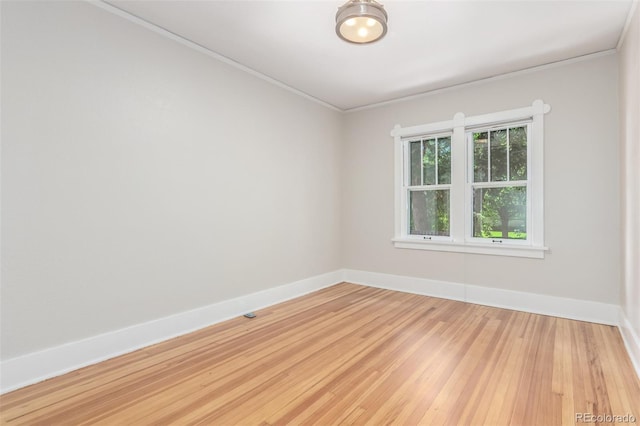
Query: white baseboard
425	287
631	341
37	366
582	310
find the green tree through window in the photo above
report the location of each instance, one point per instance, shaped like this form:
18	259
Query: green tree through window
500	208
429	182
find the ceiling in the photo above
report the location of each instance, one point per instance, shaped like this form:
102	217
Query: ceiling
430	44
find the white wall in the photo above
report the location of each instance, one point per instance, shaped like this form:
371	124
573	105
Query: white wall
581	181
630	172
141	178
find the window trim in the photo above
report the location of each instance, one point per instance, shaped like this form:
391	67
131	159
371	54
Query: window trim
460	223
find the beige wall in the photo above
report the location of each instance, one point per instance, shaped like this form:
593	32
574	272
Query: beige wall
581	181
630	171
141	178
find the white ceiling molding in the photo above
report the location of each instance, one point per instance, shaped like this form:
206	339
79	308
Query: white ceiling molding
430	45
202	49
487	80
627	23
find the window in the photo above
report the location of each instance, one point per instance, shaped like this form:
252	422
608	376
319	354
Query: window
429	186
472	184
498	182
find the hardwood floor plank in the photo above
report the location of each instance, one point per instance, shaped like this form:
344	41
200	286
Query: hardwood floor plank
350	354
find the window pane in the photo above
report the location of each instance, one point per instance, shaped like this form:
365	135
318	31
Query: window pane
480	156
444	161
429	162
415	171
429	212
518	153
500	212
498	144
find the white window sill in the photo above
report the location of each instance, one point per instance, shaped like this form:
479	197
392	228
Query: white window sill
501	250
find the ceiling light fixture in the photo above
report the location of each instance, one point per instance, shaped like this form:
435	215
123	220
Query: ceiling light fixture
361	21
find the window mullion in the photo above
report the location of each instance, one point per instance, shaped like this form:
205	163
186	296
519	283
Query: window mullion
489	155
468	184
437	146
508	157
422	162
458	183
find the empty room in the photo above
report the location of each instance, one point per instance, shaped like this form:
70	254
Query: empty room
320	212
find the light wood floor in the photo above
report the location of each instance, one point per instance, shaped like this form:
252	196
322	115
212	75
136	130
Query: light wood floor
352	354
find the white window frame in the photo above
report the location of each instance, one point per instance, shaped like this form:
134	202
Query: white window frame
408	187
471	185
461	217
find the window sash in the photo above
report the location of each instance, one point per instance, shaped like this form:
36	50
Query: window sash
422	188
407	187
471	185
407	157
497	240
470	153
